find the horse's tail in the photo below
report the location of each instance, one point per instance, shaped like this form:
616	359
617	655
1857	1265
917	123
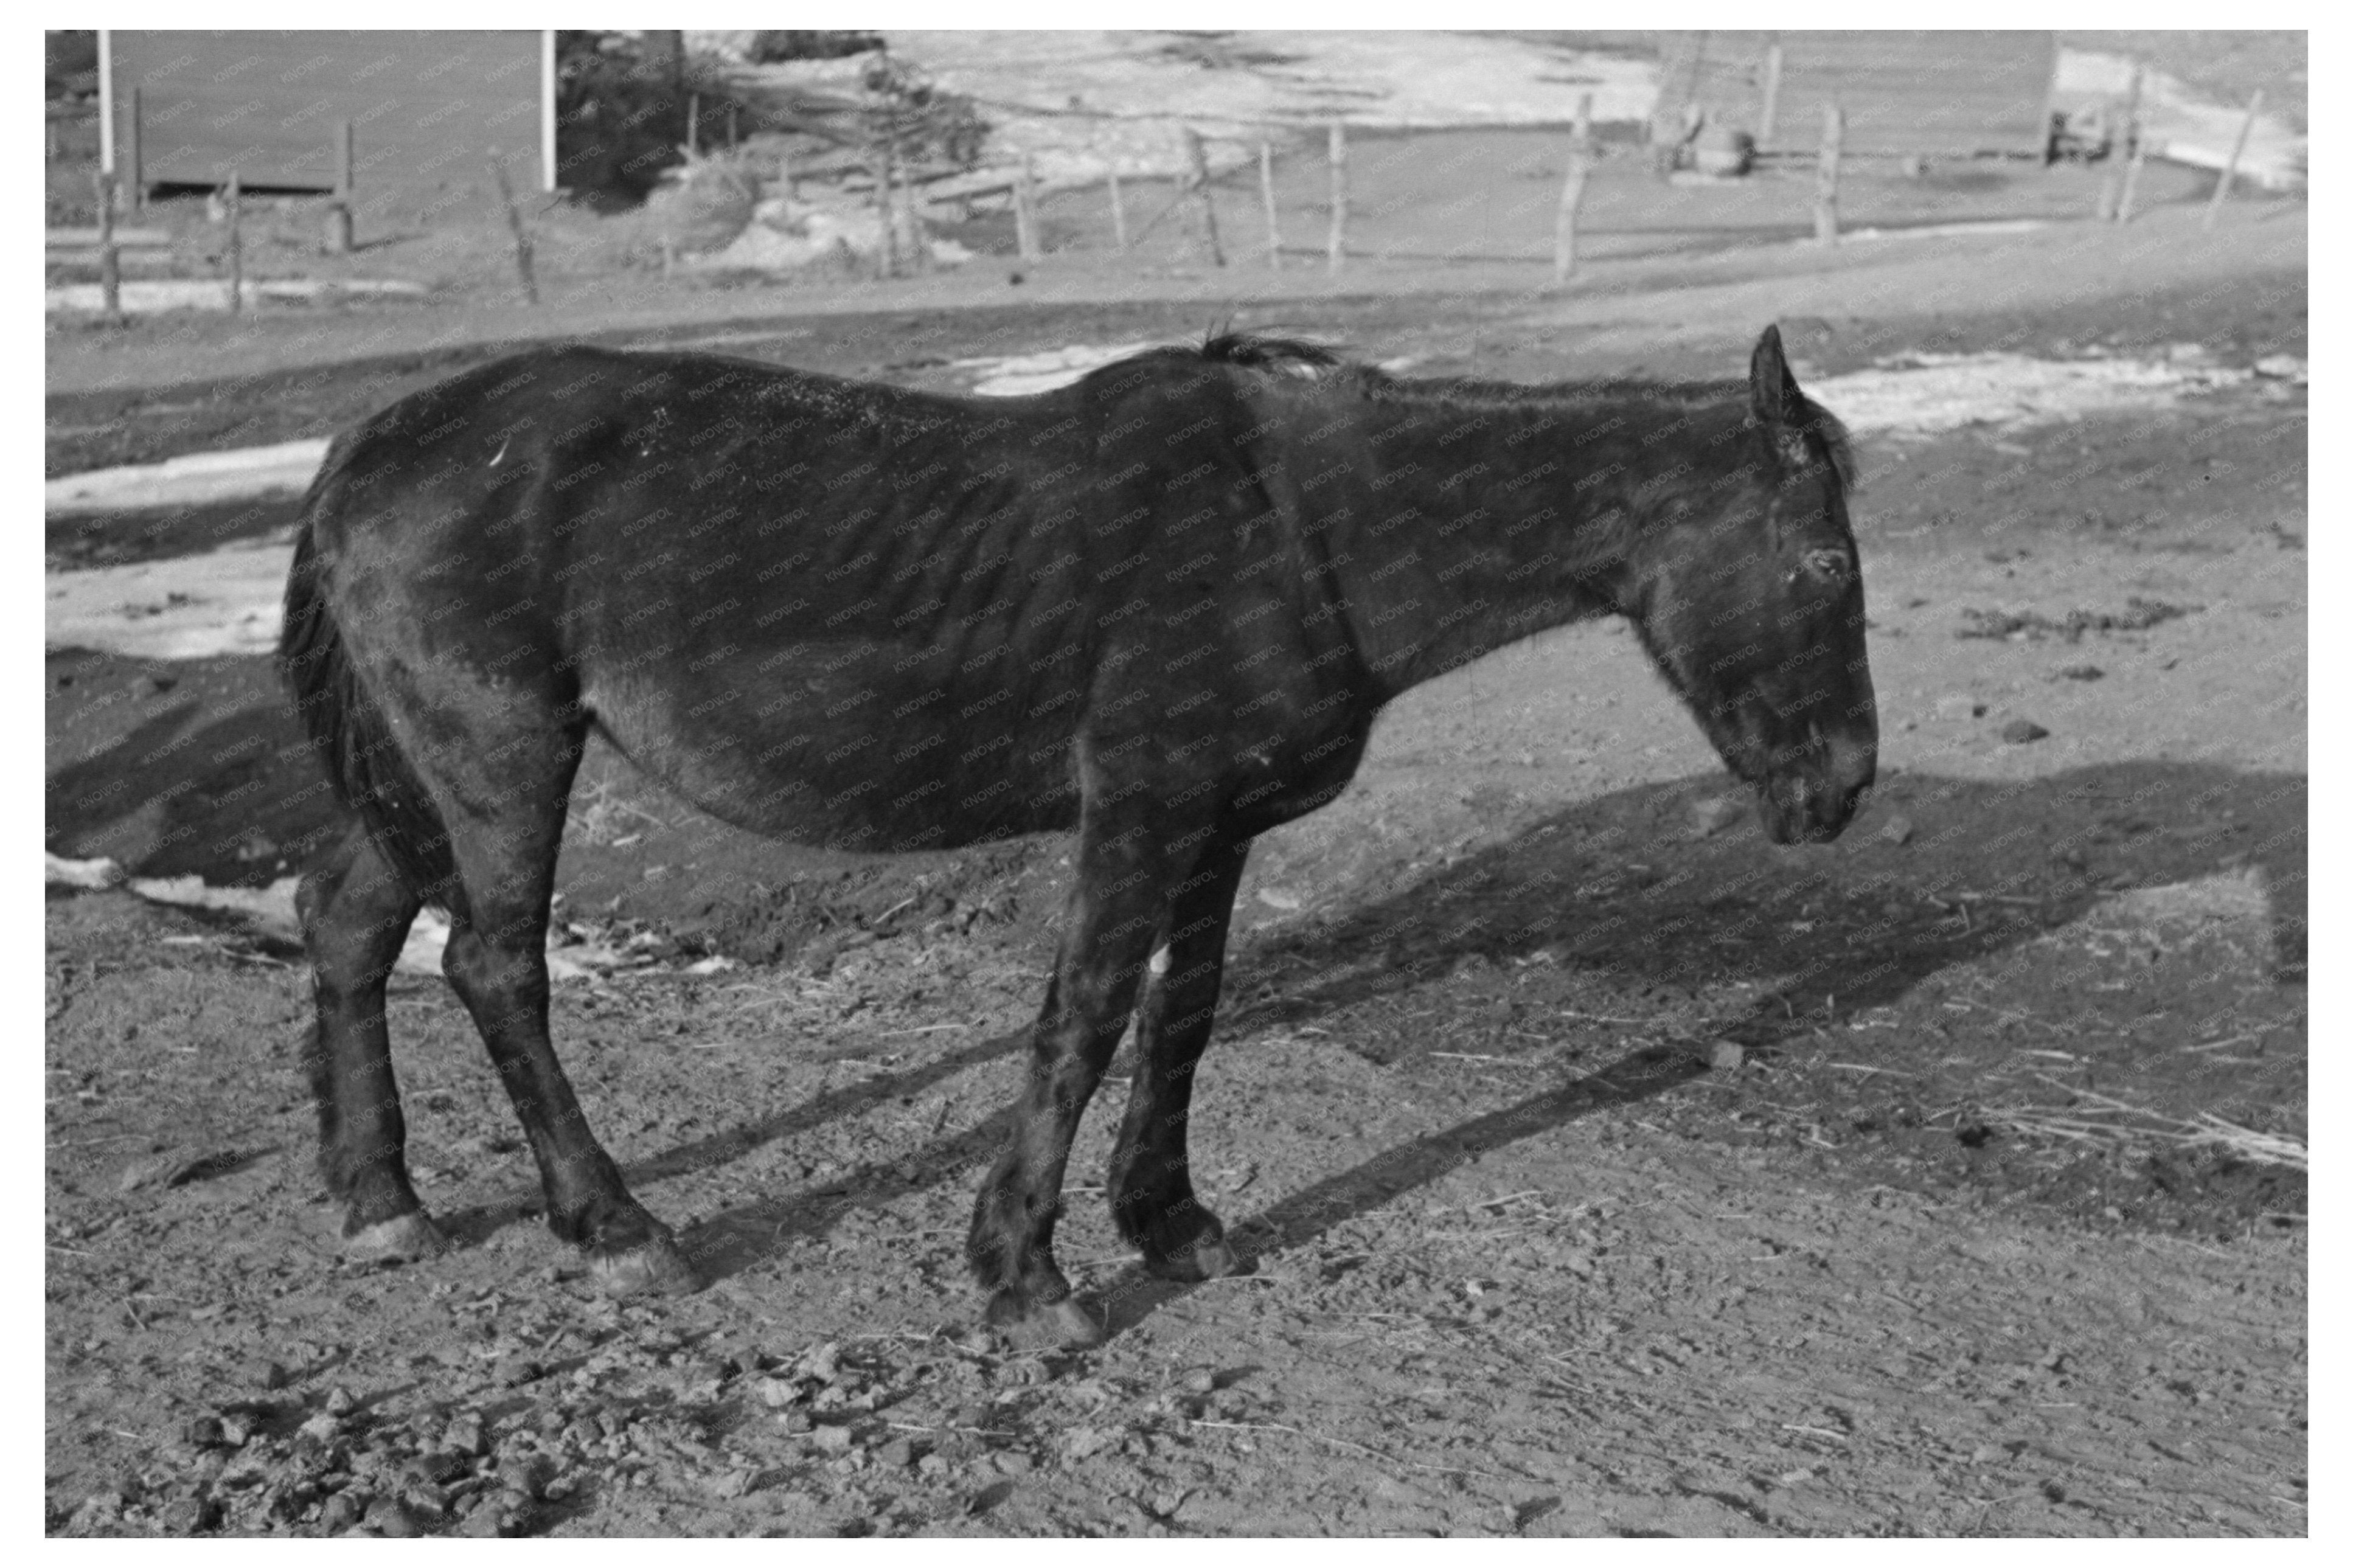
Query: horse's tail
364	764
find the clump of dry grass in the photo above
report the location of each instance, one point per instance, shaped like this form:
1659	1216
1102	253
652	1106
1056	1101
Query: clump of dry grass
2101	1119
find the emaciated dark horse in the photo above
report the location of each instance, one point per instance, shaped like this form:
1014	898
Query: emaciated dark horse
1161	606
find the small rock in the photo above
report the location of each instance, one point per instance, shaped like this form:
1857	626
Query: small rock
1201	1379
390	1519
830	1439
1896	829
776	1393
898	1453
1014	1462
2082	672
339	1401
2282	367
2022	731
464	1434
1726	1055
796	1422
932	1466
823	1364
486	1523
1714	813
235	1427
735	1483
1278	898
1085	1442
321	1429
203	1432
442	1466
514	1371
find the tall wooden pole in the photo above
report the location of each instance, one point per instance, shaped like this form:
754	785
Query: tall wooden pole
1118	208
1266	199
1572	192
2230	169
1335	242
1826	175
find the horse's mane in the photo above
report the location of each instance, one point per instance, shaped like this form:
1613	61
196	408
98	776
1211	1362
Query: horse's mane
1307	360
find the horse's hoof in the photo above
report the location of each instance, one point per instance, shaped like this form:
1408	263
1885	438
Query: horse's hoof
404	1238
1055	1325
656	1267
1212	1259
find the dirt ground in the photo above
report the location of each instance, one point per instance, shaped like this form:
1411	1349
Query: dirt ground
1939	1244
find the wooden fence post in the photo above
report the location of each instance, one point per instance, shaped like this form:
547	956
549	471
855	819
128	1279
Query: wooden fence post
1200	156
886	238
1118	208
522	235
236	246
110	261
1335	242
2127	127
693	121
1826	173
1266	198
1572	192
1025	211
337	240
1771	108
2230	169
131	155
2132	177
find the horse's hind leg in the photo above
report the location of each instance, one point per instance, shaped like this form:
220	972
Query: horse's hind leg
1151	1173
497	962
356	913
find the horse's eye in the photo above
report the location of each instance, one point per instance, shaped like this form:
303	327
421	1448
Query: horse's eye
1826	564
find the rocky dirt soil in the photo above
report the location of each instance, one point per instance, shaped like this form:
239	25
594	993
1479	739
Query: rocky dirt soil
1607	1170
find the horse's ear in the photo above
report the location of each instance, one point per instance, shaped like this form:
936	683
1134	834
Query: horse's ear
1773	396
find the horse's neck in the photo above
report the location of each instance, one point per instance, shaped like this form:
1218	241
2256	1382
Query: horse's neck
1448	549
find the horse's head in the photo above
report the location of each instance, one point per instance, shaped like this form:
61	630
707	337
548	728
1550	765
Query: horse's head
1747	593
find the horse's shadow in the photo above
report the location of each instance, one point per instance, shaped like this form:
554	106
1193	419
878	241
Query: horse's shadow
2151	824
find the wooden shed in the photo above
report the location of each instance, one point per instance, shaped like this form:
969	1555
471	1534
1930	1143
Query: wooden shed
427	111
1924	94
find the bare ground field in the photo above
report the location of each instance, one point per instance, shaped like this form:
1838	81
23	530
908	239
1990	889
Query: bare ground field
1946	1247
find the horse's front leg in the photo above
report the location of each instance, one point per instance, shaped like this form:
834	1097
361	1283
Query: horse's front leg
1116	909
1150	1182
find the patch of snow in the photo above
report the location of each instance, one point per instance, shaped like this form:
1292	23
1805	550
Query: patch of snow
140	297
1019	375
191	607
247	473
1919	395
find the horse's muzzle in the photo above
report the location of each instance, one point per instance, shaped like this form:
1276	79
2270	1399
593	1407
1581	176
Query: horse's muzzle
1813	801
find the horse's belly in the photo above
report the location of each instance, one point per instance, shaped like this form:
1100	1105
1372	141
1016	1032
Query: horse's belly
845	764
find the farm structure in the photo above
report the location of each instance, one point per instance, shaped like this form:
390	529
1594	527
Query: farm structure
426	112
1904	94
